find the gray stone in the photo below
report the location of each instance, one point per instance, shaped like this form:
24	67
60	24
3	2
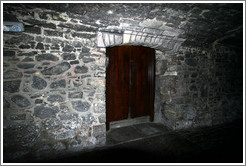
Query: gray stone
81	69
53	33
51	124
12	74
35	30
58	69
99	130
99	108
28	53
25	65
68	56
22	135
63	134
191	62
45	112
83	35
68	48
88	119
27	59
19	39
59	147
6	104
88	60
75	95
80	106
74	62
18	117
8	53
20	101
58	84
191	113
38	101
24	46
102	118
40	46
55	98
38	83
68	116
39	39
85	50
46	57
11	86
49	25
55	46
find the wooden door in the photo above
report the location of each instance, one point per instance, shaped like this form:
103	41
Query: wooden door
130	82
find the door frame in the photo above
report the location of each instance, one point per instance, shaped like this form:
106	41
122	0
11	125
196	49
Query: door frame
151	74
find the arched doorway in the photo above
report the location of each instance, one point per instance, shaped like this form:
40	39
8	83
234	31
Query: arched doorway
130	83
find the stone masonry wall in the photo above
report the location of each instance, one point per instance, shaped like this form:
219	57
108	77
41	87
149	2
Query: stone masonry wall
54	85
54	71
199	87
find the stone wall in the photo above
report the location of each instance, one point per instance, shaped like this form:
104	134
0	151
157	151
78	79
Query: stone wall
199	87
54	85
54	72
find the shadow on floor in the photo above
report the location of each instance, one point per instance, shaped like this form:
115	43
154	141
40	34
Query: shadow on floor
154	143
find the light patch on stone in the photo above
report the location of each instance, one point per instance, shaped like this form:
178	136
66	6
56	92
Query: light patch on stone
171	73
127	36
98	22
110	12
151	23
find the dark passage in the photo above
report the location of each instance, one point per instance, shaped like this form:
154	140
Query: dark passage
154	143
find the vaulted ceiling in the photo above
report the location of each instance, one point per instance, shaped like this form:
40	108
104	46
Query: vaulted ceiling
199	24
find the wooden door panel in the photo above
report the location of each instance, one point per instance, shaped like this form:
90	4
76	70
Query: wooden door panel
117	82
139	92
129	82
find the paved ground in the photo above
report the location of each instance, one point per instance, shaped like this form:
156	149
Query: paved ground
154	143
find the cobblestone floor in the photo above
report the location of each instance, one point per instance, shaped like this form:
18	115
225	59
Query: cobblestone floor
154	143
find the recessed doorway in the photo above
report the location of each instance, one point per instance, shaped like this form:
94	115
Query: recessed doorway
130	83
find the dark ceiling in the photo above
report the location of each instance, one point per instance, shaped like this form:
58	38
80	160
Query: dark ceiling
202	23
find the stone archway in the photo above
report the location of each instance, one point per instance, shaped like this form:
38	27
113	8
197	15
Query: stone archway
164	41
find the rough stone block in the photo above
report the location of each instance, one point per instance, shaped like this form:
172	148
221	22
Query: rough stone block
50	124
53	33
24	46
75	95
35	30
99	108
20	101
66	134
88	60
80	106
12	74
81	69
8	53
32	53
68	116
99	130
38	83
6	104
40	46
46	57
58	69
68	48
45	112
68	56
58	84
25	65
18	117
11	86
55	98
